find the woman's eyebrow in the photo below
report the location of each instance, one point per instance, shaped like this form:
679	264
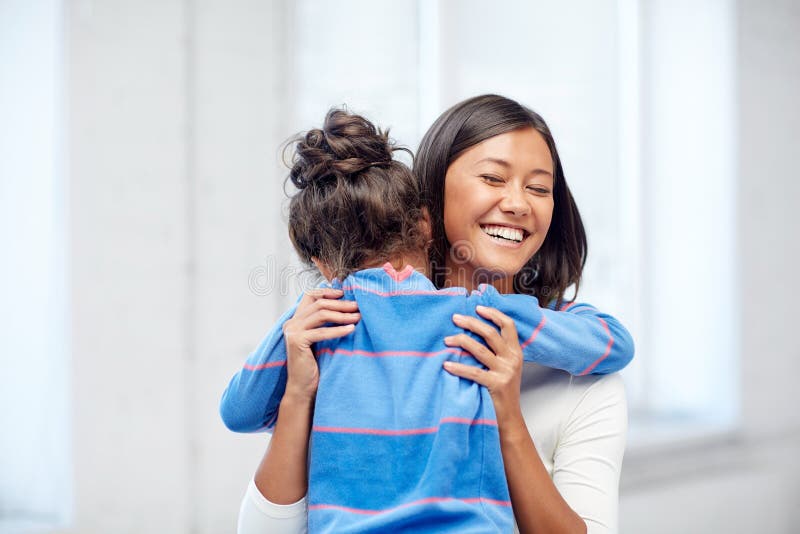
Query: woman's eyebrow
507	165
499	161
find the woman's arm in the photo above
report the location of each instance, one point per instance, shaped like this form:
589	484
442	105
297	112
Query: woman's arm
282	475
275	500
538	505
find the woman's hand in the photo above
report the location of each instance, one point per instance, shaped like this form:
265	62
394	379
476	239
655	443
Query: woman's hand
317	307
503	358
537	504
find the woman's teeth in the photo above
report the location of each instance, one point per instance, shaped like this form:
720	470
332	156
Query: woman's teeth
504	232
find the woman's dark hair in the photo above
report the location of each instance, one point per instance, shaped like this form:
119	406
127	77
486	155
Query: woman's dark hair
355	204
559	262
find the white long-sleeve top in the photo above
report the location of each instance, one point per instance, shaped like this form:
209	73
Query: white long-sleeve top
579	427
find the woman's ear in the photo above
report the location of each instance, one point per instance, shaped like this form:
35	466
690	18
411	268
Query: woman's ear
326	272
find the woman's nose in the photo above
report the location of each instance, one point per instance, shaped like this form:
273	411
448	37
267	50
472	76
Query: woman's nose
514	201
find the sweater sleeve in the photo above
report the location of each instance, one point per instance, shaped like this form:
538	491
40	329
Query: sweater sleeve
257	515
250	402
577	338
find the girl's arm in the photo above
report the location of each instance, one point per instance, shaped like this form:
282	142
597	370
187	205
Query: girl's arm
576	338
250	402
538	505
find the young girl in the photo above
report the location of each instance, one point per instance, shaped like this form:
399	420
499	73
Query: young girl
397	443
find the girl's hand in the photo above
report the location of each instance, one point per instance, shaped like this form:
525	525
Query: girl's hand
503	358
317	307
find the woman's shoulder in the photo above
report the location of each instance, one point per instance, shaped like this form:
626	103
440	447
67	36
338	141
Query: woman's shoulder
540	378
555	404
599	402
610	387
541	381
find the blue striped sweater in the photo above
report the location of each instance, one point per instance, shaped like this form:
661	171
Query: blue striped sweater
397	443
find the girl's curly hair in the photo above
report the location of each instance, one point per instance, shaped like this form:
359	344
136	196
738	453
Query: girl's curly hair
356	206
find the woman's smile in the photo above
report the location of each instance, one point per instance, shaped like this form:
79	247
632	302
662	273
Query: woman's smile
505	234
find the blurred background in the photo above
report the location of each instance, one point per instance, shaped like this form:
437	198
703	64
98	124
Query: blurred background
144	249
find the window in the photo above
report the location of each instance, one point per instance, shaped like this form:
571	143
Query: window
680	136
34	451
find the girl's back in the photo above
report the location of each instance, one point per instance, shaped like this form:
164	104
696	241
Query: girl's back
396	441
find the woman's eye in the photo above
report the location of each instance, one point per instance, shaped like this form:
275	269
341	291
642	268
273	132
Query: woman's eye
491	179
539	190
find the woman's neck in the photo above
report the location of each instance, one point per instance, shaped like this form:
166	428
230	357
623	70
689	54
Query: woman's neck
464	275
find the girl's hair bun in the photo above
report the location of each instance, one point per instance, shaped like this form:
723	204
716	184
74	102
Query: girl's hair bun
355	206
346	145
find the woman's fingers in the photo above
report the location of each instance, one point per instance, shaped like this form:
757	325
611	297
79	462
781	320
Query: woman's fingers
323	299
329	332
324	305
474	347
324	292
312	295
334	304
328	316
469	372
504	360
508	330
486	331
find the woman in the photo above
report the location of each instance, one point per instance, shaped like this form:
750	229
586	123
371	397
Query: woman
501	213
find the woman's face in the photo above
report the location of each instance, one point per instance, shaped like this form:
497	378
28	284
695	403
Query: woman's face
498	203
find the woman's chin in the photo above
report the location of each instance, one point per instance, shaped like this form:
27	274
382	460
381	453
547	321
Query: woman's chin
503	260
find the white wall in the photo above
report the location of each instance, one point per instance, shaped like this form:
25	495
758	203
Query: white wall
748	482
174	120
130	260
237	119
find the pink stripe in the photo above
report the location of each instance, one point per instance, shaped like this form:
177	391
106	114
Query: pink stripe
608	349
455	292
567	306
582	306
407	431
375	431
428	500
535	333
481	289
264	365
398	277
388	353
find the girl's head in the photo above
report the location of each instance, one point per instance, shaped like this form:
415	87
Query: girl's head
500	209
355	207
